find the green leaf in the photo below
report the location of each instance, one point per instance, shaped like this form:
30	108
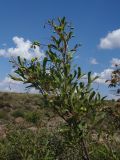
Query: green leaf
33	60
53	46
93	79
89	77
103	98
32	85
36	43
44	63
67	69
75	73
16	78
79	73
92	95
98	95
63	20
81	84
52	56
20	61
69	36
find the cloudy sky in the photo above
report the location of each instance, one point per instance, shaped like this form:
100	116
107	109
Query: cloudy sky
97	28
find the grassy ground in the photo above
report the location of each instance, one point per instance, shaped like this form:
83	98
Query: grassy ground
26	110
21	113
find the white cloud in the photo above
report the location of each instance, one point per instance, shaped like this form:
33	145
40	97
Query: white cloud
9	85
111	41
93	61
115	61
22	48
104	75
113	96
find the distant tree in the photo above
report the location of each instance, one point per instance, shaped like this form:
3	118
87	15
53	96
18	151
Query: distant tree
115	79
61	85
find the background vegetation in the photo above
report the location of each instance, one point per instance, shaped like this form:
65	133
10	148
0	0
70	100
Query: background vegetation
44	138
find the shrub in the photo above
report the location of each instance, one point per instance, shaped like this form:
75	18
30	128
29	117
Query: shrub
32	116
18	113
64	88
25	145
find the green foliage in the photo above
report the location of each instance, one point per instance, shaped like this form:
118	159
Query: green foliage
29	116
33	117
42	145
18	113
102	151
114	81
65	89
25	145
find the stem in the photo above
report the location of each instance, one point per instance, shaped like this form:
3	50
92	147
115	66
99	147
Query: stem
84	150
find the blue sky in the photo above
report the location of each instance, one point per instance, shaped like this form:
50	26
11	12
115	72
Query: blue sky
97	28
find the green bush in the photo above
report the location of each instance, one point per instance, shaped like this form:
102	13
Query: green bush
25	145
18	113
32	117
73	99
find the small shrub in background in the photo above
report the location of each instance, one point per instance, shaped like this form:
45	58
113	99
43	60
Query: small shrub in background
18	113
32	117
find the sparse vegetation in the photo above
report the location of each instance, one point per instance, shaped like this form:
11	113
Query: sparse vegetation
18	113
52	142
33	116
